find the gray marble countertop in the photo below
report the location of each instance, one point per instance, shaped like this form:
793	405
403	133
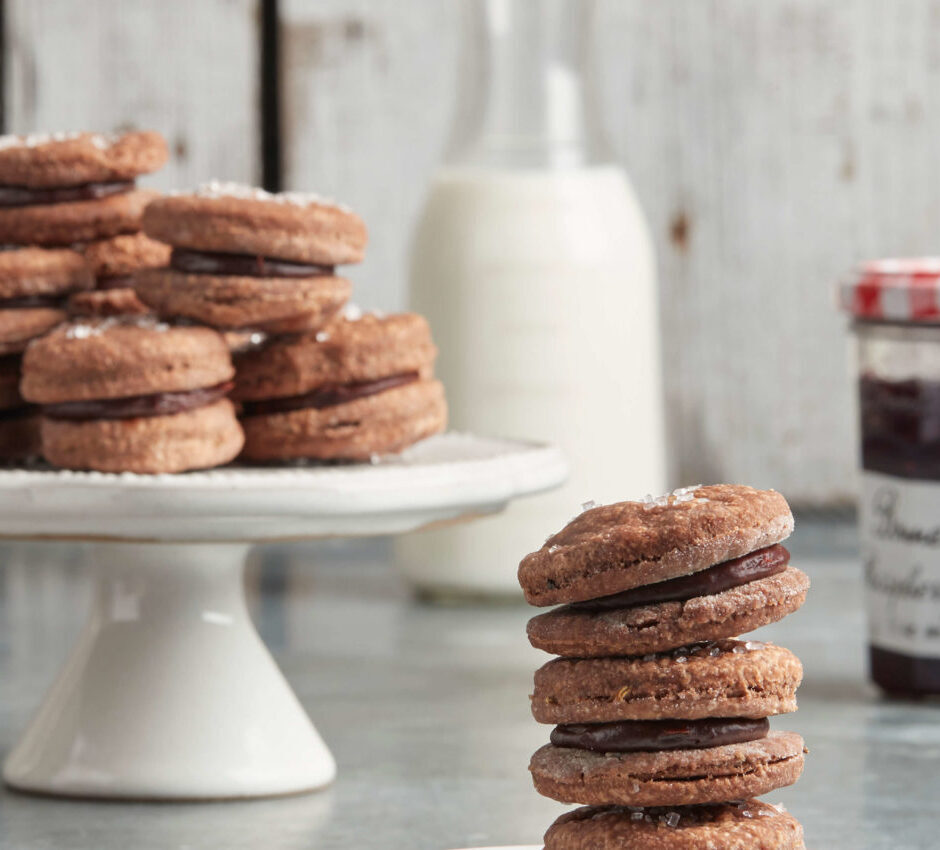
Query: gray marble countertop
426	710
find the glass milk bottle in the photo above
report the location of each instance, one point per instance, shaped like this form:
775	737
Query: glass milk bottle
533	262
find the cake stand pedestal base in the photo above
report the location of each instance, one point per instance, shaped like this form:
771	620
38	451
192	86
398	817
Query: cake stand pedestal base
169	692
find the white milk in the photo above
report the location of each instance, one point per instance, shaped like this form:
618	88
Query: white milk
540	289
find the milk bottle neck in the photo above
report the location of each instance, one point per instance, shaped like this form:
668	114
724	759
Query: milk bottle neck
522	97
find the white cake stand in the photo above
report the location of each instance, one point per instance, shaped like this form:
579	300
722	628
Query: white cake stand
169	692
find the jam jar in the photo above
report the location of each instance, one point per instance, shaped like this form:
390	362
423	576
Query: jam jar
895	305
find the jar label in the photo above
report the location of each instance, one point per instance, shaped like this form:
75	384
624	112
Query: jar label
899	527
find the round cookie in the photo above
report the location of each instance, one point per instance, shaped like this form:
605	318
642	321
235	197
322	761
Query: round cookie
721	679
230	218
19	327
108	359
348	350
271	304
382	423
103	303
746	825
194	439
669	777
46	160
120	256
74	221
34	272
663	626
617	547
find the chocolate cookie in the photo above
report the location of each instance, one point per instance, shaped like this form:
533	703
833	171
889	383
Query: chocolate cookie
113	261
133	396
669	777
198	438
747	825
348	351
117	359
656	627
234	219
617	547
721	679
20	326
44	160
103	303
42	272
68	222
381	421
270	304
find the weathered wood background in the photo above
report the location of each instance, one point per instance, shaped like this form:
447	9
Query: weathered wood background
773	144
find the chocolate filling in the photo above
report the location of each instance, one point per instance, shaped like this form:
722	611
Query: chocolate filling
23	196
132	407
755	565
329	395
633	736
115	281
244	265
27	302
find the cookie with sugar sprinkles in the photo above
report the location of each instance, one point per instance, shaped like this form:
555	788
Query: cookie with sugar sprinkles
231	218
120	256
612	548
720	679
117	358
353	347
746	825
48	160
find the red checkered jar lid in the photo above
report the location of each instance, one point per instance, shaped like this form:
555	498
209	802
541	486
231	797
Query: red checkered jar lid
894	290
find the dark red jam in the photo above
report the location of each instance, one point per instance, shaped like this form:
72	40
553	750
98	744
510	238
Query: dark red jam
900	433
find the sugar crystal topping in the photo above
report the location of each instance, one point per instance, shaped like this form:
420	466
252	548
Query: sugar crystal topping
34	140
676	497
216	189
86	329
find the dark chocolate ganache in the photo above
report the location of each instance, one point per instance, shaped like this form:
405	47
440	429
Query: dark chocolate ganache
115	281
28	302
755	565
243	265
632	736
24	196
132	407
329	395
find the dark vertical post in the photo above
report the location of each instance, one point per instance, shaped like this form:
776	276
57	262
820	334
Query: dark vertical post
270	97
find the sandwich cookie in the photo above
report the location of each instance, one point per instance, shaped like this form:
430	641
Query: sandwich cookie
64	188
677	728
114	262
612	548
133	395
364	386
34	285
245	258
744	825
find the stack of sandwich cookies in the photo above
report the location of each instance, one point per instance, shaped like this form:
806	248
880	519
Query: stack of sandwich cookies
133	395
246	258
361	387
68	188
114	262
34	286
655	703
